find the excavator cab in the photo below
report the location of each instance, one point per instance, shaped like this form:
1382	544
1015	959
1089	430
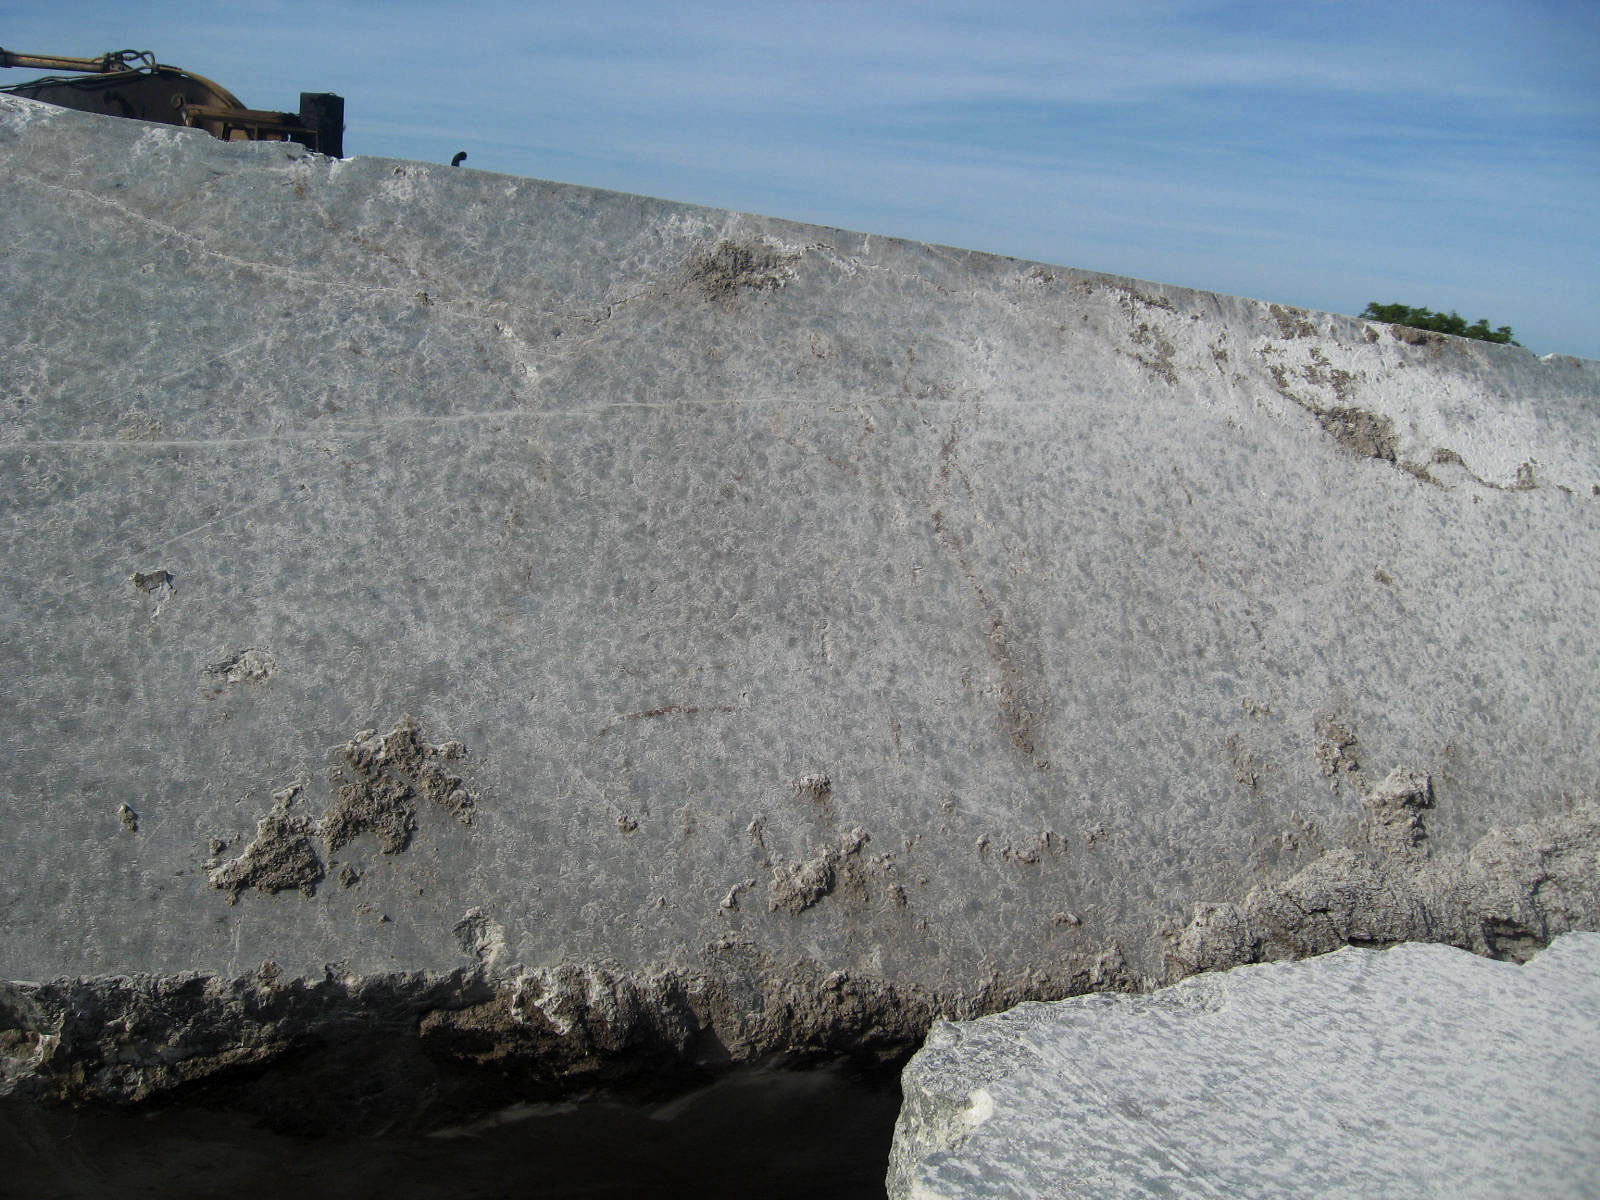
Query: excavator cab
130	83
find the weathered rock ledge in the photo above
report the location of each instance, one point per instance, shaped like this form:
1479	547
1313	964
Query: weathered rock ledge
360	1055
351	1054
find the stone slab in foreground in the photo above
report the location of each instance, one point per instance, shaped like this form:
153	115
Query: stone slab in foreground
464	626
1419	1071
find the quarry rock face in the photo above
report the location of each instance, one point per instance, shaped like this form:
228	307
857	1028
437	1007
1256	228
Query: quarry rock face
1411	1072
467	633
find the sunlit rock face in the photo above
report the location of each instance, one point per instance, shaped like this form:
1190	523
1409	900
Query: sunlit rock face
510	639
1411	1072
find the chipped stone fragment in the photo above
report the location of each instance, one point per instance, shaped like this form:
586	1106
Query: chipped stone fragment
1394	811
156	583
247	666
1336	748
797	886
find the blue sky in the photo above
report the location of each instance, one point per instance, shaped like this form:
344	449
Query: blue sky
1315	152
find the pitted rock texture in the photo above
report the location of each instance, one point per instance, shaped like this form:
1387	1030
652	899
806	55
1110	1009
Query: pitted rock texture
1419	1071
906	613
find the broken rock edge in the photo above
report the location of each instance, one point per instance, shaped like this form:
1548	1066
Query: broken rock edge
356	1054
949	1092
363	1053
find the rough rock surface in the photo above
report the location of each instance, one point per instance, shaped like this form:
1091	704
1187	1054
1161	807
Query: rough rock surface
583	633
1418	1071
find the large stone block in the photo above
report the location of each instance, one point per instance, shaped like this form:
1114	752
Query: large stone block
1418	1071
545	626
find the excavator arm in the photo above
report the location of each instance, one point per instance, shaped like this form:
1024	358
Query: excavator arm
130	83
115	60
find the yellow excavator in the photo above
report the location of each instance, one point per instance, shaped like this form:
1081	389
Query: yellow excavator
130	83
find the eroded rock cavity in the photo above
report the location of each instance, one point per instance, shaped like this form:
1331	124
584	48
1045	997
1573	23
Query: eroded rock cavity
376	789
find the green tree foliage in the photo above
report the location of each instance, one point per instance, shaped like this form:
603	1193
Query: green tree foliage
1450	322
